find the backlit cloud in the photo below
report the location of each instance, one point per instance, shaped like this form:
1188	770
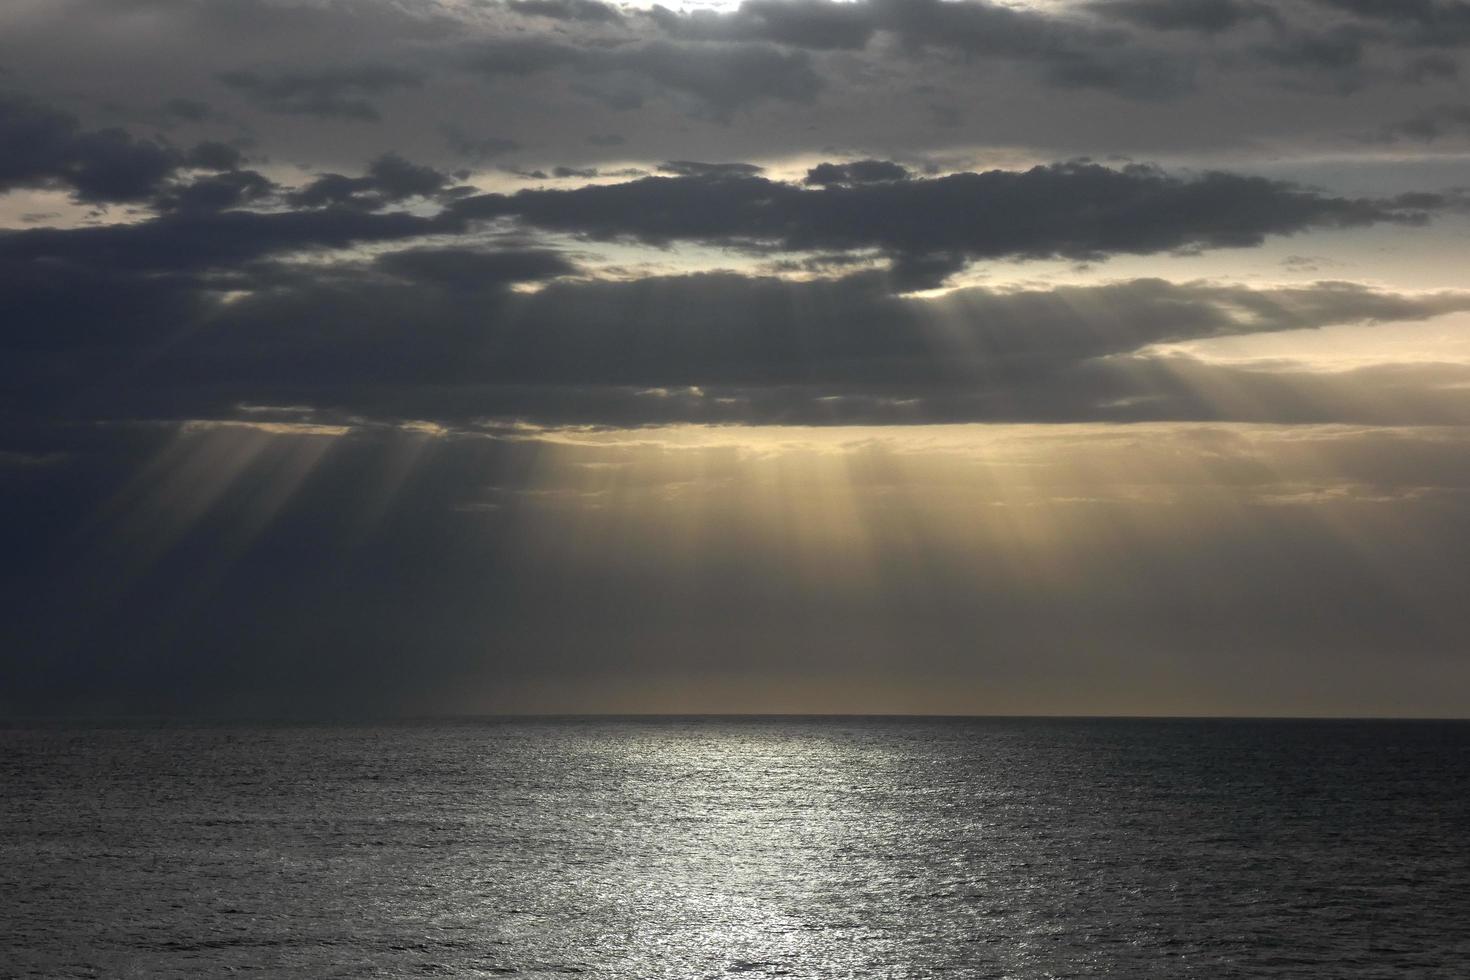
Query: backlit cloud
941	355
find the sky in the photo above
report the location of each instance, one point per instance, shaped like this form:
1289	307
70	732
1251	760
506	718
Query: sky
384	357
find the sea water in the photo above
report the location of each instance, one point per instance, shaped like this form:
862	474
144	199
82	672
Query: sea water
710	847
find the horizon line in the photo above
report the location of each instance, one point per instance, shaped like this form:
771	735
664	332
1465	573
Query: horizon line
13	720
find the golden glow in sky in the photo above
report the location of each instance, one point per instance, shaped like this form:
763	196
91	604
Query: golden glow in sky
887	355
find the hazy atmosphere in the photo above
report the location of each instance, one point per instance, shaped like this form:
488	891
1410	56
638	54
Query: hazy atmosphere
400	357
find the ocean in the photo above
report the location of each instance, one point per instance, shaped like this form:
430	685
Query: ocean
713	847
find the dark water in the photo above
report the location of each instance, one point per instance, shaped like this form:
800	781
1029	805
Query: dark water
710	847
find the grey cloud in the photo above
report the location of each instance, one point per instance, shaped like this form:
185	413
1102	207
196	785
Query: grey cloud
1204	16
523	56
328	93
213	155
217	192
45	146
1070	52
985	65
586	173
772	332
178	341
1103	53
189	242
188	110
726	78
694	168
389	179
985	28
975	26
110	165
856	172
720	78
1338	50
576	10
468	269
434	333
1135	75
477	147
991	29
1430	68
1075	210
404	315
1431	124
945	116
1431	23
816	24
624	93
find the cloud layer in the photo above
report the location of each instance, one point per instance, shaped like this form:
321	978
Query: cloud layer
503	355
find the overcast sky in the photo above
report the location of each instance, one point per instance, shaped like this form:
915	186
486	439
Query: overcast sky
1063	356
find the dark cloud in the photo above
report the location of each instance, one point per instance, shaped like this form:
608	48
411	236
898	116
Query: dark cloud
469	269
218	192
477	147
524	56
446	316
328	93
1069	52
584	173
856	172
1204	16
727	329
273	441
435	333
575	10
1074	210
194	241
1132	75
213	155
1431	124
1431	23
110	165
1430	68
1335	53
719	78
1101	53
816	24
858	65
693	168
389	180
983	28
43	146
77	324
188	110
725	79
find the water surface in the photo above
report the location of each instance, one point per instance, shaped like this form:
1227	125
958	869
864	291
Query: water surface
705	847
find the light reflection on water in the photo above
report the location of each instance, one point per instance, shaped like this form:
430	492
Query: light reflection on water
704	847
